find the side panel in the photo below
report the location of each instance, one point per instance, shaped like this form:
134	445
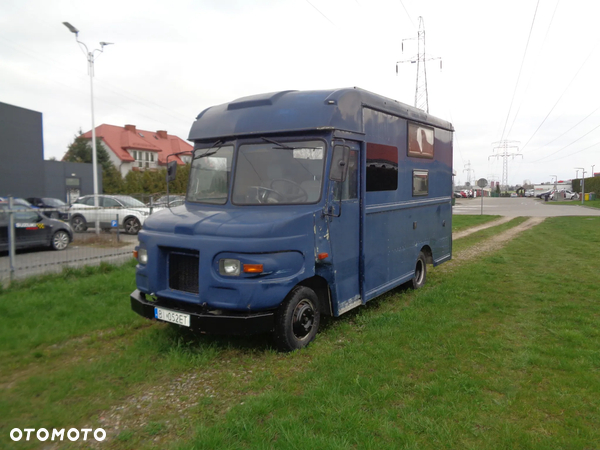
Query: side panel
398	221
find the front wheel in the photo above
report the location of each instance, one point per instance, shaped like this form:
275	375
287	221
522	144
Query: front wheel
132	226
420	272
297	320
60	240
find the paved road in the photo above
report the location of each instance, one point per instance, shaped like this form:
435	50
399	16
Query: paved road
520	206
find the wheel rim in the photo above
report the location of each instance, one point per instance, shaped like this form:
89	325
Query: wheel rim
303	319
61	241
132	226
419	272
78	224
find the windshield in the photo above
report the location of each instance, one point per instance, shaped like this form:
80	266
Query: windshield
53	202
210	174
279	172
130	202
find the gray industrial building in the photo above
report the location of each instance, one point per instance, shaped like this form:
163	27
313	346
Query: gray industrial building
23	170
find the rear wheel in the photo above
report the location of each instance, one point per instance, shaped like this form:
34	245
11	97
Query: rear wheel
297	320
60	240
420	272
79	224
132	226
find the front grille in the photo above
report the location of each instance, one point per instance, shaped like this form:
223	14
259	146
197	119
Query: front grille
183	271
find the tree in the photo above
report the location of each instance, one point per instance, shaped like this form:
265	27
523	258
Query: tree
80	151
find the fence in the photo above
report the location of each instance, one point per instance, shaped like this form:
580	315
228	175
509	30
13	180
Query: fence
33	242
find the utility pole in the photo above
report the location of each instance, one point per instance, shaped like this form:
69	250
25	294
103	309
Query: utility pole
504	149
421	94
582	183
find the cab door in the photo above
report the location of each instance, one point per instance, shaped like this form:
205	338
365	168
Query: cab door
344	233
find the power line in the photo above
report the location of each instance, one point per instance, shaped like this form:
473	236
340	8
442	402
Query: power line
563	93
520	69
319	11
407	14
566	146
558	137
534	64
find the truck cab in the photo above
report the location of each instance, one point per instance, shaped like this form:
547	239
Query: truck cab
299	204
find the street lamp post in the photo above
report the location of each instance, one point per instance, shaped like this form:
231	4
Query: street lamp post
90	58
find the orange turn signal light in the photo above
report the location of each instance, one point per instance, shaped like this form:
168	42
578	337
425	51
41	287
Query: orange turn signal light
323	255
135	254
253	268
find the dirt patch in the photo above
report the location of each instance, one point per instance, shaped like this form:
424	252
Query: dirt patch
477	228
494	243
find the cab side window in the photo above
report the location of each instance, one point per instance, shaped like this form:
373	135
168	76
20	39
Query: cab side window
349	188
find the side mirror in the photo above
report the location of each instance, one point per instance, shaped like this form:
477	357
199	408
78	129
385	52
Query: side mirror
339	163
171	171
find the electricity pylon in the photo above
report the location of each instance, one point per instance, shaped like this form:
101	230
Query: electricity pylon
469	170
504	146
421	94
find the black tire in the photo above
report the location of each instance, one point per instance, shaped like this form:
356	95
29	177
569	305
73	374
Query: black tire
297	320
79	224
60	240
420	276
132	225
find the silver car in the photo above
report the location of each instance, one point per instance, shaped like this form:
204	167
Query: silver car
113	211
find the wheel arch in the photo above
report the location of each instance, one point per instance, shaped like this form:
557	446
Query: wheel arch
426	249
320	287
130	216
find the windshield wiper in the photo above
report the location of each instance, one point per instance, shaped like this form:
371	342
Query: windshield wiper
281	146
208	151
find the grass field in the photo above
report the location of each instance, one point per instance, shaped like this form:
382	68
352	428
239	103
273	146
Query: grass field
590	203
500	353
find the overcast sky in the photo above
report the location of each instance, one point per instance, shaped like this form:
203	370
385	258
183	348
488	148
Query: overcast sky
517	70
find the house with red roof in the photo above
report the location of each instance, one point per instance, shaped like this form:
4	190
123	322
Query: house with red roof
132	149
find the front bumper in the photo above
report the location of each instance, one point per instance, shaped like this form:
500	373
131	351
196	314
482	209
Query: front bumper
206	321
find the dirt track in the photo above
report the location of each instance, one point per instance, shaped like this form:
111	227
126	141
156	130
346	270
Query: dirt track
495	242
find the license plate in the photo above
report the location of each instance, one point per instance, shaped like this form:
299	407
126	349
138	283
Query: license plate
172	316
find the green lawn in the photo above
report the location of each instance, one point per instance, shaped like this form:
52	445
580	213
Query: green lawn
500	353
462	222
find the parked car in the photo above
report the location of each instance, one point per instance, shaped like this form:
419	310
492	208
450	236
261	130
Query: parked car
51	203
131	212
569	195
545	194
17	201
173	201
457	194
529	193
33	229
513	194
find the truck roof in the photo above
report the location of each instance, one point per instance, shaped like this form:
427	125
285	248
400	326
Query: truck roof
292	111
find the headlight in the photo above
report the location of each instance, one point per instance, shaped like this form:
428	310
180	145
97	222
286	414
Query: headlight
229	267
142	256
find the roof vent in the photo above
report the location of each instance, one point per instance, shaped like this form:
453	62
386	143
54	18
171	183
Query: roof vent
130	128
162	134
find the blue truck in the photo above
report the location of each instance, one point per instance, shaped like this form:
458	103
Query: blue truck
299	204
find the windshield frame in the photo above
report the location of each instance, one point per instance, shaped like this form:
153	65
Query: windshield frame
206	150
280	143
